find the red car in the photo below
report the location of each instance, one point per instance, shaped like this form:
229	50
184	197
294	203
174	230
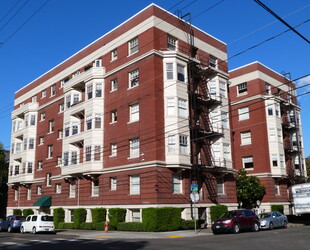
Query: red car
236	220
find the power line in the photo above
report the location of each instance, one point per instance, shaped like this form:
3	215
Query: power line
9	11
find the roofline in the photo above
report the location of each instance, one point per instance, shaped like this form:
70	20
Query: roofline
152	4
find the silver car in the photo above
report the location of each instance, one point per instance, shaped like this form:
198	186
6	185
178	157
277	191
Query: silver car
272	220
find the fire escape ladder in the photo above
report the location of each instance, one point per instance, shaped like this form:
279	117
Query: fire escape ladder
211	187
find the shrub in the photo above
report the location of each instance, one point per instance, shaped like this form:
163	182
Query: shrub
59	216
161	219
98	215
130	226
188	224
27	211
17	211
99	226
116	215
217	211
277	208
66	225
87	226
79	216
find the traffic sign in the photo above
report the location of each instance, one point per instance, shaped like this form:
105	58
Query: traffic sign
194	197
194	187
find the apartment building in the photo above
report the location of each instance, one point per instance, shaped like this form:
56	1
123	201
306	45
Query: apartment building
266	130
131	121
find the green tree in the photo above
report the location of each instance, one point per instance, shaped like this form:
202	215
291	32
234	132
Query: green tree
3	181
249	189
308	167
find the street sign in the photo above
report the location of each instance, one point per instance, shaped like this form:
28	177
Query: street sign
194	187
194	197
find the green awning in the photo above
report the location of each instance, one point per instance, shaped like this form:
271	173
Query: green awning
44	201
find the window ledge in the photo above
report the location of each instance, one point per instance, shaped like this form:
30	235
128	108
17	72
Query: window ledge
132	157
132	121
129	88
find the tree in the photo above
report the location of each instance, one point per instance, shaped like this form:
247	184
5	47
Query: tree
308	167
249	189
3	181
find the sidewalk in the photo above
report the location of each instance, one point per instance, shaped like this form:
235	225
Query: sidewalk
91	234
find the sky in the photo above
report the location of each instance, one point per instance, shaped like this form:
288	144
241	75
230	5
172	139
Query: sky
37	35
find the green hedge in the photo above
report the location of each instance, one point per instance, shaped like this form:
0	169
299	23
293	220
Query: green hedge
66	225
27	211
277	208
17	211
87	226
79	216
116	215
130	226
98	215
59	216
217	211
99	226
161	219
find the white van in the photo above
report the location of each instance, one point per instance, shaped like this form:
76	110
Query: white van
38	223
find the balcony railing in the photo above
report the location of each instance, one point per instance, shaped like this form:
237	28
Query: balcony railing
32	106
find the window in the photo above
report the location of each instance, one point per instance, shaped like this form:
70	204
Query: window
89	91
272	134
172	43
220	185
282	161
270	110
67	129
243	113
170	106
61	107
114	84
88	153
42	116
34	99
43	94
222	89
29	167
26	120
16	170
136	215
213	88
48	179
183	144
182	107
75	128
277	188
18	147
51	125
97	63
29	193
53	90
248	162
113	149
246	138
134	112
68	101
176	183
113	54
181	73
279	134
97	155
74	157
59	161
113	116
135	184
72	190
277	109
171	143
89	122
134	148
169	71
31	143
58	188
113	182
39	190
98	89
49	151
268	88
95	187
97	121
25	143
33	120
274	160
66	158
133	78
40	165
16	194
213	62
226	151
76	98
224	119
242	88
133	45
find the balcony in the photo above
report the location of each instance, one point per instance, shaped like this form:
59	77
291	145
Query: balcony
21	178
32	106
82	168
93	73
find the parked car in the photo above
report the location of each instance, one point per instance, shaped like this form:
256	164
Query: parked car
12	223
236	220
272	220
38	223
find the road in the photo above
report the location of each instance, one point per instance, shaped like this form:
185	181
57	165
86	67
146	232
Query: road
291	238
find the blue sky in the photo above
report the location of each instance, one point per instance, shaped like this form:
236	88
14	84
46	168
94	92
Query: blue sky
37	37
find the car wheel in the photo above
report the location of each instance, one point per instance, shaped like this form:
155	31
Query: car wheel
270	226
255	227
22	230
214	232
34	231
285	224
236	228
10	229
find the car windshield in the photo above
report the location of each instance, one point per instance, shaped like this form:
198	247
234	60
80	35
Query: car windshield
263	216
229	214
47	218
20	217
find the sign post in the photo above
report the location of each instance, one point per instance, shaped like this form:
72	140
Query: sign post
194	198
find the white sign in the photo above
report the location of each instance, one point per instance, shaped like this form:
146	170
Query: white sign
194	197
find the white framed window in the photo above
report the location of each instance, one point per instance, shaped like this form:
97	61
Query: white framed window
97	63
274	159
277	188
114	84
246	138
135	215
171	144
29	193
97	154
182	105
268	88
68	101
134	148
224	119
67	129
213	62
216	150
50	149
134	112
53	90
51	126
243	113
270	109
220	185
279	134
133	78
113	54
135	184
48	179
25	143
181	72
88	153
282	161
58	188
72	190
277	109
74	157
34	99
242	88
59	161
66	158
43	93
212	88
248	162
40	165
222	88
39	190
133	45
98	121
98	90
177	183
226	151
18	147
169	71
272	134
172	43
113	149
76	98
95	187
16	194
113	116
170	106
113	182
89	91
31	143
89	120
33	120
42	116
75	128
61	108
183	144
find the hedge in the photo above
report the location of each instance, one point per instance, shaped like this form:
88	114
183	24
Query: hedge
79	216
161	219
99	226
277	208
217	211
98	215
66	225
130	226
116	215
27	211
87	226
59	216
17	211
